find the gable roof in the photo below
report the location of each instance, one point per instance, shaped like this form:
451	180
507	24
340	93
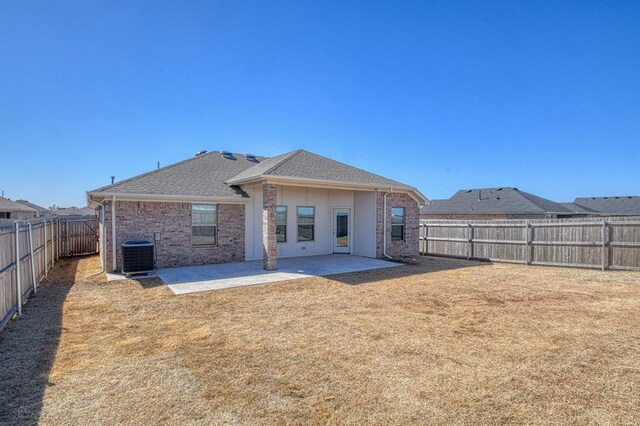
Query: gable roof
494	200
576	208
7	205
74	211
203	175
305	165
214	175
624	205
33	206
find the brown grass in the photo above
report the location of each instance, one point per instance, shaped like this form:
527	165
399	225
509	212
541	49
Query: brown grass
443	341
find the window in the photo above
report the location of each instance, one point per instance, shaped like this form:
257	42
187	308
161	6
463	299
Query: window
397	224
5	215
204	224
306	223
281	224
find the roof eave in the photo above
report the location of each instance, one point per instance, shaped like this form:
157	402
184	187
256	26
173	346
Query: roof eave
94	199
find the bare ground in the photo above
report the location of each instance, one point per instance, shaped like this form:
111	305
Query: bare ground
443	341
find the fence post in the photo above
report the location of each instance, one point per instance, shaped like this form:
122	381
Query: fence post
33	266
18	282
469	240
53	246
603	252
46	261
527	243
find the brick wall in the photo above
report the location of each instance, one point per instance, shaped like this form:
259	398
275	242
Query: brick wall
137	220
269	245
408	247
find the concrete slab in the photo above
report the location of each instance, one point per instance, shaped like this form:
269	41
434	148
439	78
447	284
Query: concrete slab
193	279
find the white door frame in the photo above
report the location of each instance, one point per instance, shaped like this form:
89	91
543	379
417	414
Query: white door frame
334	247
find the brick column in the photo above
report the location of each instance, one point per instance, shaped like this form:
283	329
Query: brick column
269	252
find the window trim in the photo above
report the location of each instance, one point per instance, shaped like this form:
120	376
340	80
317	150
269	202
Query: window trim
298	224
403	224
286	222
215	225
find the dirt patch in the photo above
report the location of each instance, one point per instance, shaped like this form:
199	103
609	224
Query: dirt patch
437	341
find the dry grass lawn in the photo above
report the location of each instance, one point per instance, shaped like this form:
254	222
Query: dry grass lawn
443	341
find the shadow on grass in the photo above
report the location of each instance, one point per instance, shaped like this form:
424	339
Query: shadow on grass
422	265
28	347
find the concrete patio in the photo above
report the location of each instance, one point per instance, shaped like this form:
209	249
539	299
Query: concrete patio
194	279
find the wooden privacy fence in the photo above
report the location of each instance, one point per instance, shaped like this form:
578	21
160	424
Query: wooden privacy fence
28	249
605	243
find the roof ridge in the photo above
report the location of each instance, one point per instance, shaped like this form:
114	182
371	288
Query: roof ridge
288	157
298	151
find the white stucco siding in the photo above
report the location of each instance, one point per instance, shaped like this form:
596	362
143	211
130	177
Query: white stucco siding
364	219
324	200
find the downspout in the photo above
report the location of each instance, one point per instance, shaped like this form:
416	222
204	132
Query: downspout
384	224
114	260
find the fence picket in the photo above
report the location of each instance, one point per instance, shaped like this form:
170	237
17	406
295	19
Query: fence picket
28	249
604	243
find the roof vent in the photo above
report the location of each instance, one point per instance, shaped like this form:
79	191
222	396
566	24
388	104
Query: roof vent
199	153
251	158
228	155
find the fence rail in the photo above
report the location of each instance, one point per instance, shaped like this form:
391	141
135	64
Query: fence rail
29	249
604	243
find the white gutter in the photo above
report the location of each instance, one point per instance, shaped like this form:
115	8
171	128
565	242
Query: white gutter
384	224
114	260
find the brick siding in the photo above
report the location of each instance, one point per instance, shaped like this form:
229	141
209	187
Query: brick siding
408	247
269	244
137	220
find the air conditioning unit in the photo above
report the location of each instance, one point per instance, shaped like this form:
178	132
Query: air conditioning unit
137	257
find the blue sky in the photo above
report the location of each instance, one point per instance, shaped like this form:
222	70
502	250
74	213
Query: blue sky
544	96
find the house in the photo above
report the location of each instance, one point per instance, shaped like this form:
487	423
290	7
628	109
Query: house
41	211
495	203
72	212
627	205
222	207
13	210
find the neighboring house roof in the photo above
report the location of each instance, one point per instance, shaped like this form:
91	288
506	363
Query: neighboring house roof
215	175
36	207
615	205
503	200
7	205
578	208
74	211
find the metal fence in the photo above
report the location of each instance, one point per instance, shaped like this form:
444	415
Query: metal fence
604	243
29	249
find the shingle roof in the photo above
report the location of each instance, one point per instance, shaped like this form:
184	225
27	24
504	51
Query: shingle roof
307	165
7	205
216	176
611	205
578	209
74	211
33	206
494	200
203	175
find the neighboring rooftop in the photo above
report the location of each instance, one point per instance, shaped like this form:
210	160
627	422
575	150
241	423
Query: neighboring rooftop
7	205
615	205
36	207
74	211
504	200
